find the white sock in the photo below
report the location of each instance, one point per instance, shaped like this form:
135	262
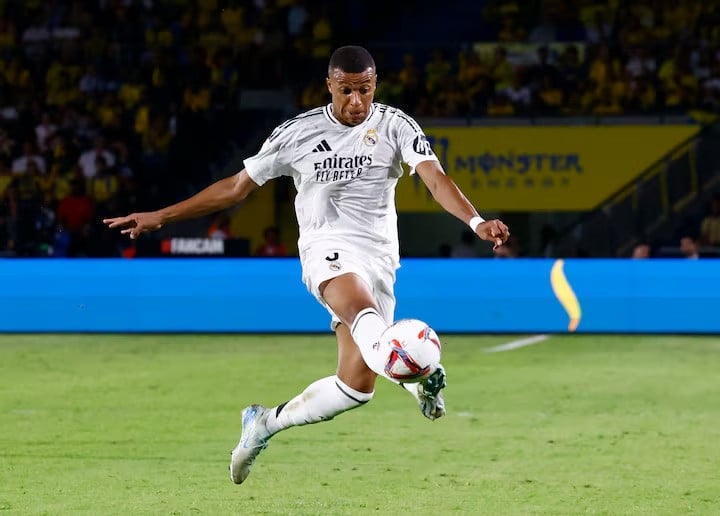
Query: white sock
320	401
412	388
366	330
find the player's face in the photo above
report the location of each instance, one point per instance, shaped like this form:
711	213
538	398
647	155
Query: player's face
352	94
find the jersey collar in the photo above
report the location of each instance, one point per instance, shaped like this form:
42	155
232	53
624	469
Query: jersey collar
331	118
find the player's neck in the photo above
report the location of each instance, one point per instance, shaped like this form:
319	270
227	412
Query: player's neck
339	120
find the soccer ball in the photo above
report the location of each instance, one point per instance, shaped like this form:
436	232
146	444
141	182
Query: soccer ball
414	350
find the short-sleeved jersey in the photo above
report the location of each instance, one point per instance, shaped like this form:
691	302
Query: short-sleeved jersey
345	176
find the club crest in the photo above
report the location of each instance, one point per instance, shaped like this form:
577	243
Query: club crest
371	138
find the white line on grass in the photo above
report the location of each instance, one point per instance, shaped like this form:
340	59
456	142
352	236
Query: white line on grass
515	344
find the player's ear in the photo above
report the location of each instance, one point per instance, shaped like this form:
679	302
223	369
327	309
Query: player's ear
329	86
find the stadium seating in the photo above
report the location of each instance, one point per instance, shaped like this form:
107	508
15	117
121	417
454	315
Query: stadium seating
169	94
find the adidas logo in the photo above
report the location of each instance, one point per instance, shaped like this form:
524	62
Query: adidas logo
322	147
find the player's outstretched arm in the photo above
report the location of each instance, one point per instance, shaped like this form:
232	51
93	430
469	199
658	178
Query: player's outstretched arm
449	196
218	196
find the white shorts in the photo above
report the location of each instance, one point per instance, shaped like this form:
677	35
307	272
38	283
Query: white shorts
322	263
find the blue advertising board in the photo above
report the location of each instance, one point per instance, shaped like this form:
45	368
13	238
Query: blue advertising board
267	295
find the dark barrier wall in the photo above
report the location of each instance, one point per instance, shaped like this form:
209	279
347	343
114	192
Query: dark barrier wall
266	295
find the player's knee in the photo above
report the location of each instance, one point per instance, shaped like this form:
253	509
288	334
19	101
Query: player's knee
355	307
347	295
358	306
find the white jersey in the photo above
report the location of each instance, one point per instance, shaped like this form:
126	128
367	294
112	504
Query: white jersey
345	176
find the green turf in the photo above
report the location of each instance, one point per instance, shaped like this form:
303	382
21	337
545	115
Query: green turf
144	425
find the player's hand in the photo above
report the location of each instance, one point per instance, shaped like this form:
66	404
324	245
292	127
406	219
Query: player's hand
494	231
136	223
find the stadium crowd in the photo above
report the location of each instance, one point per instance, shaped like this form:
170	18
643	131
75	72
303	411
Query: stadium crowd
107	106
112	104
560	57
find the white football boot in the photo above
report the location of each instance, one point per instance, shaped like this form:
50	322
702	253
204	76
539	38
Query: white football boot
253	439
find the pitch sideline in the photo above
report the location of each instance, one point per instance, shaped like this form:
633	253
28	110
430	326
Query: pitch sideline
516	344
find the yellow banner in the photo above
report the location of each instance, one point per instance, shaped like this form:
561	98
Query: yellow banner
541	168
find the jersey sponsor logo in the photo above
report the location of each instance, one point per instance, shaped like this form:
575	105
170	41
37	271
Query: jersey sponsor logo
334	266
322	147
340	168
371	137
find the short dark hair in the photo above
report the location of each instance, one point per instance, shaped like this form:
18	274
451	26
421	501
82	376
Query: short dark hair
351	59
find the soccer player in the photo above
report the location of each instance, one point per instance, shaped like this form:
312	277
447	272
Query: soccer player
345	159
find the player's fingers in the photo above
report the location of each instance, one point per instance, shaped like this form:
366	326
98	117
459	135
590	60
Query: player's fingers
112	222
119	222
503	231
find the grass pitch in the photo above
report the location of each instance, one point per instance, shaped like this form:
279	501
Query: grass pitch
126	424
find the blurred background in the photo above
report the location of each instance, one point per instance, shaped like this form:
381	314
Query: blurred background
588	126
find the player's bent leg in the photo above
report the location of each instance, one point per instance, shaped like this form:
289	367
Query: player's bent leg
351	300
320	401
355	373
352	369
